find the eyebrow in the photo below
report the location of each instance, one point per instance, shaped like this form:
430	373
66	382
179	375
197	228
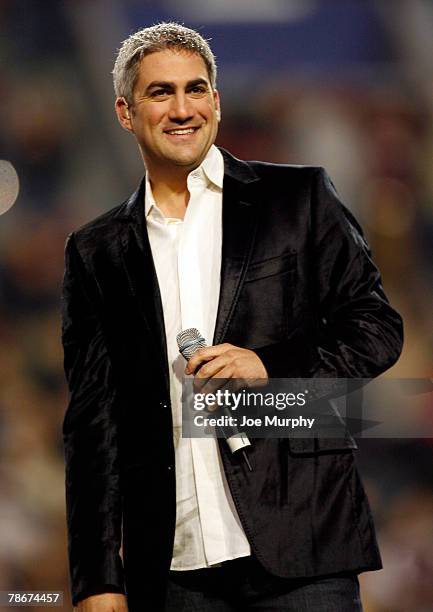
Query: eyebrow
171	85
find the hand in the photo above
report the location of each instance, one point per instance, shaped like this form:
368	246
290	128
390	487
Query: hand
106	602
224	361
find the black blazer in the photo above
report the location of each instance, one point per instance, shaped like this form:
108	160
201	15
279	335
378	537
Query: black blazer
299	287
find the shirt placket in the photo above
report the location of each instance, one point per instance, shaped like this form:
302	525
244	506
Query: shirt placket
204	452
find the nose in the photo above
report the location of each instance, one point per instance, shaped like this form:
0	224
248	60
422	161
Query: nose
180	109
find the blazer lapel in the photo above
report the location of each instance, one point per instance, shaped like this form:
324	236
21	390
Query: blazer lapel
240	207
140	270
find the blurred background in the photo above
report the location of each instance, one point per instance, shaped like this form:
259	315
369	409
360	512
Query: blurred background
341	83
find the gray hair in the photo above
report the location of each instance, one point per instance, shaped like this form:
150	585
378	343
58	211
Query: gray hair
166	35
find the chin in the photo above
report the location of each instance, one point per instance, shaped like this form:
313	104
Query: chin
187	161
188	157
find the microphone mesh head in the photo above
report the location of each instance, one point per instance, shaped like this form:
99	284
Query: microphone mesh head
9	185
189	342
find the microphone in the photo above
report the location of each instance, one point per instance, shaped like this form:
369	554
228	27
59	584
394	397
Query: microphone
189	342
9	186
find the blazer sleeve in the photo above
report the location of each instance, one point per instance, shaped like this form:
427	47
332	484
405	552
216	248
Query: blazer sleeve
356	333
90	439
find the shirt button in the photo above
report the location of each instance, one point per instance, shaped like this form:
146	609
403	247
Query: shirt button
169	468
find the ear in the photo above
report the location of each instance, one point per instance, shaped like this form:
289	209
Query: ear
123	113
216	98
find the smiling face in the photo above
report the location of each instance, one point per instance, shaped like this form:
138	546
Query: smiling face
175	112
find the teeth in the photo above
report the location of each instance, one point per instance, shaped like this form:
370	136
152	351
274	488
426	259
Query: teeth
187	131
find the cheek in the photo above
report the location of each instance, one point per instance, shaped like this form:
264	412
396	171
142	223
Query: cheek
207	109
153	118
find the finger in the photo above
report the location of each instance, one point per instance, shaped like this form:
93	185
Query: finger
211	380
209	374
212	368
205	354
211	385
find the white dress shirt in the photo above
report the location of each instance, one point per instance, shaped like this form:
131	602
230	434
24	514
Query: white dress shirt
187	257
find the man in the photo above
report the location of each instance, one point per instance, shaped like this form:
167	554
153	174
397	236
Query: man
264	260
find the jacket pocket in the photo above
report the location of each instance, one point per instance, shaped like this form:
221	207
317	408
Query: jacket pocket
271	267
320	446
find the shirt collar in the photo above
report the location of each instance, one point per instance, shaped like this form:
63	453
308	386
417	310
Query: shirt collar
149	200
211	170
213	166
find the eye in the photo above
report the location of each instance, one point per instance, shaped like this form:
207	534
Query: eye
159	93
198	90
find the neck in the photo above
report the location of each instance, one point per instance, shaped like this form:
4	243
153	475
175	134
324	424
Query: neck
171	199
170	189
